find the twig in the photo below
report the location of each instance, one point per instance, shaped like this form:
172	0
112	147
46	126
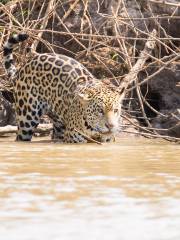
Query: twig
44	24
136	125
154	74
71	8
165	3
150	135
60	21
88	138
144	55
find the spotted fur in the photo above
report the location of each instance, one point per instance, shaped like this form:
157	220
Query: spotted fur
78	104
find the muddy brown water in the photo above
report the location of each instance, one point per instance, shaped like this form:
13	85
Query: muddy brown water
122	191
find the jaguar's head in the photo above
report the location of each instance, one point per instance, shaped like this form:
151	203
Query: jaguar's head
102	107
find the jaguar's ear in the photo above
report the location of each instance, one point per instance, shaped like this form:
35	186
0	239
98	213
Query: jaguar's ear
84	98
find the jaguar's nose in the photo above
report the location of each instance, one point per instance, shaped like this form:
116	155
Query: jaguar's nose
110	126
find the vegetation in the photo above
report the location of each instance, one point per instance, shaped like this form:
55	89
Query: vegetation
109	38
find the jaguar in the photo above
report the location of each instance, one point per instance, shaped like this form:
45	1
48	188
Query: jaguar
80	106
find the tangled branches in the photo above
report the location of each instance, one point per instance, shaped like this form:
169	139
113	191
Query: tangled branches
111	39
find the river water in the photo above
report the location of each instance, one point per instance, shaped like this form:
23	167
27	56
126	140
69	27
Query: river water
129	190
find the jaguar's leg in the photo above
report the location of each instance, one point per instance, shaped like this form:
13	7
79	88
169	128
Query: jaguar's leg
58	127
28	118
72	136
58	131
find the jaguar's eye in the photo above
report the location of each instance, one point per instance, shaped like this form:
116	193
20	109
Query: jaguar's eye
116	110
101	111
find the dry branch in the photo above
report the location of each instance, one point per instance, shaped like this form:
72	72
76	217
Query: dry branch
42	129
48	13
165	3
89	139
144	55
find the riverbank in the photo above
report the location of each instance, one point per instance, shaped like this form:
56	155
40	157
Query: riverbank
107	37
